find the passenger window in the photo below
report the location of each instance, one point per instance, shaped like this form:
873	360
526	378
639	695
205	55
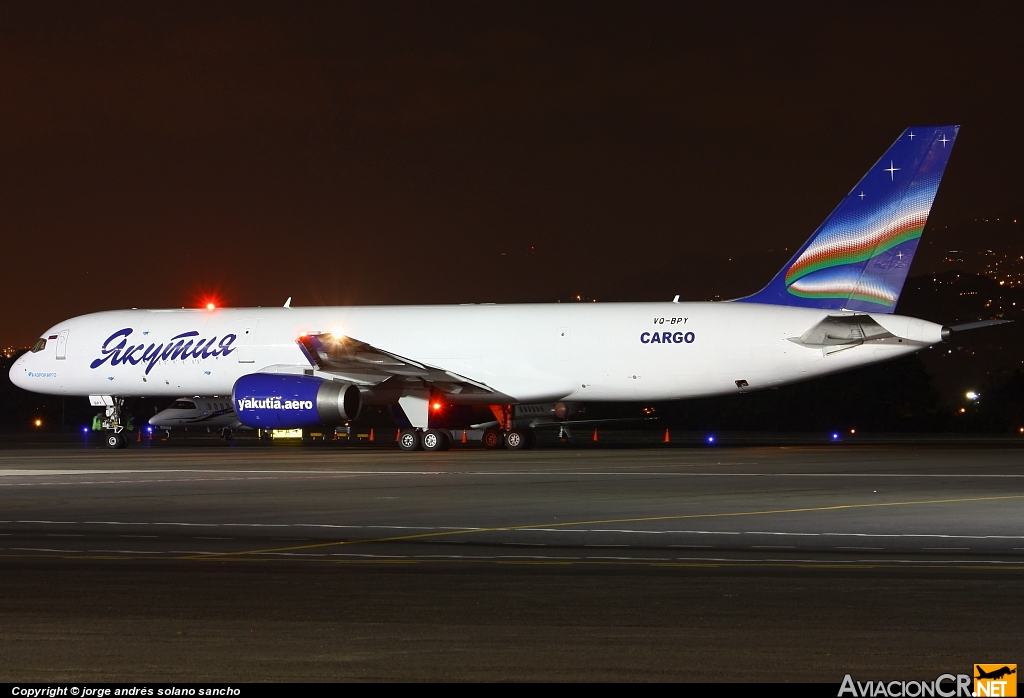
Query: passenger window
39	346
183	405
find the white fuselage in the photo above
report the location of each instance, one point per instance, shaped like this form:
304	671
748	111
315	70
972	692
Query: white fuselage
525	353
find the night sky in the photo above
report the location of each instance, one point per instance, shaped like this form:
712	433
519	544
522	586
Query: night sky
154	154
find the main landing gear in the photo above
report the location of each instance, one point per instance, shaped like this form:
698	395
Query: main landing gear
426	440
441	440
513	439
418	437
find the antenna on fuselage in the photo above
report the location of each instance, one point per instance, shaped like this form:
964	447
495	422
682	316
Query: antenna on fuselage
288	303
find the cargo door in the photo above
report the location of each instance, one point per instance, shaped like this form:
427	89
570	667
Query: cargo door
247	342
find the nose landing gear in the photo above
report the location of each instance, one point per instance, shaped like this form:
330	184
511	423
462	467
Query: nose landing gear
117	440
113	423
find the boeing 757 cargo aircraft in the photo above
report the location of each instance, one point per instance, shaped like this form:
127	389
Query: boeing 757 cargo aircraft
829	309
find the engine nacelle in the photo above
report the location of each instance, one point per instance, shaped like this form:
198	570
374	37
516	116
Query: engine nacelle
282	401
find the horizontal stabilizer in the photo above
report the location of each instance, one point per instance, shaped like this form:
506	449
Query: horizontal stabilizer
949	330
977	325
837	332
842	329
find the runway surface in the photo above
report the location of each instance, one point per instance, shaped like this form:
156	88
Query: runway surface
323	563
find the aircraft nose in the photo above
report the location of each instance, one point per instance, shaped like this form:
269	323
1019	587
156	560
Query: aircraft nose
17	372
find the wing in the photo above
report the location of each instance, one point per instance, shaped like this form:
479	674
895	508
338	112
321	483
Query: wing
363	364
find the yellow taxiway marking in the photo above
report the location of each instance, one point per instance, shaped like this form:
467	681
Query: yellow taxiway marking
591	522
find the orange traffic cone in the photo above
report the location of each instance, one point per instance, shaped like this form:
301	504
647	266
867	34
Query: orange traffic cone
398	434
594	437
667	439
138	437
464	439
371	433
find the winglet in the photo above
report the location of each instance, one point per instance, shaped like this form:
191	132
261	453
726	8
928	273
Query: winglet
288	303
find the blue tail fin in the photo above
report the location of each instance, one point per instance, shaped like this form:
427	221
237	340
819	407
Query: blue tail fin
859	257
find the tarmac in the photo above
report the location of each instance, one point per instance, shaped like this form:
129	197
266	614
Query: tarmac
211	562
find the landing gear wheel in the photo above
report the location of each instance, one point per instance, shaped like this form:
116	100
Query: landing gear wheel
436	440
116	441
410	440
517	439
491	438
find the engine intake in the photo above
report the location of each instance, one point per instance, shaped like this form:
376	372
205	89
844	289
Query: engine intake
276	401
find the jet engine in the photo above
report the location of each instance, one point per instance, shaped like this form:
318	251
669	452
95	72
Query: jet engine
280	401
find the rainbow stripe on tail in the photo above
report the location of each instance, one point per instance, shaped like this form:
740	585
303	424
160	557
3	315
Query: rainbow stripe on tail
859	257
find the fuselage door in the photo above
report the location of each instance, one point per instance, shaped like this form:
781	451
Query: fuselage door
247	343
62	345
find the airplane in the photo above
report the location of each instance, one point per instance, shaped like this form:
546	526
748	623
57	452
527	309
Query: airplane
829	309
210	411
995	674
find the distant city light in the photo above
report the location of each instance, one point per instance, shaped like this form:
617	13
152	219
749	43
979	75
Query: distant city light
711	439
853	431
38	422
971	395
962	410
835	436
85	430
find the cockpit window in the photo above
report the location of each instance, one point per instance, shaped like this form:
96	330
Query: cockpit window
39	346
183	405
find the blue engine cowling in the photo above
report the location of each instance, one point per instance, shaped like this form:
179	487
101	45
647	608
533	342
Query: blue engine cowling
278	401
